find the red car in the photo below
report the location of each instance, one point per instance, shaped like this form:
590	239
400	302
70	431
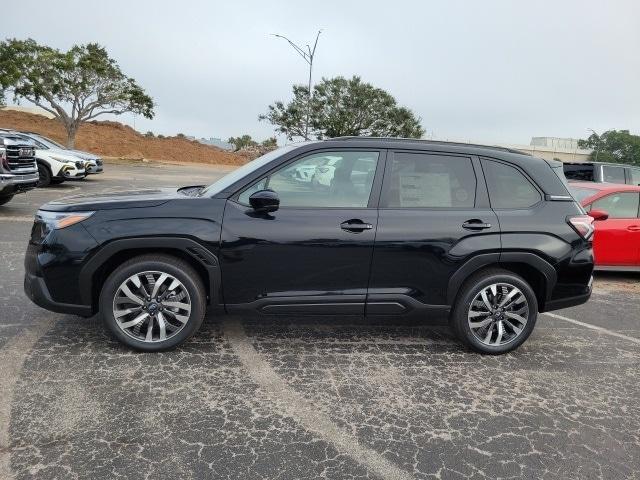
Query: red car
616	242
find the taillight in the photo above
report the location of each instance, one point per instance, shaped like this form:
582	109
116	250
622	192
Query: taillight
583	224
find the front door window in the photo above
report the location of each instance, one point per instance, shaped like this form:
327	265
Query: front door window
321	180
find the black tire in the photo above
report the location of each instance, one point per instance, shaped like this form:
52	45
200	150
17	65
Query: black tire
474	286
159	263
5	199
45	176
57	181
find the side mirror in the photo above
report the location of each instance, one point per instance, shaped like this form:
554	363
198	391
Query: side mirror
598	214
265	201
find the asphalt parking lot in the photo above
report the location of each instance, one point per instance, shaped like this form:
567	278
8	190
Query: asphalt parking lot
302	398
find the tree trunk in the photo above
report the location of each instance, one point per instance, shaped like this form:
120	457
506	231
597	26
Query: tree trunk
72	129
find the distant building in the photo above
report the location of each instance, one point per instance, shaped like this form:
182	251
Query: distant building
217	142
555	142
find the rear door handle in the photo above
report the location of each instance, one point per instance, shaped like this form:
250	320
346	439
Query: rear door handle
634	228
475	224
355	226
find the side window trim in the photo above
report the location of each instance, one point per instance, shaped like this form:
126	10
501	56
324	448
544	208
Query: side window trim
522	172
374	195
390	157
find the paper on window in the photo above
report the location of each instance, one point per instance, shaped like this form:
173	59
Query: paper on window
425	190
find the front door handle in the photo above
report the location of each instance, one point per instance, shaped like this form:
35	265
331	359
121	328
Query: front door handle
634	228
355	225
475	224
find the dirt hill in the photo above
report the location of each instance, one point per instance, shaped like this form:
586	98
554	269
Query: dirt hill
113	139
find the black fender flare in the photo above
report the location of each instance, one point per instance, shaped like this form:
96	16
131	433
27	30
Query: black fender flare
485	259
190	247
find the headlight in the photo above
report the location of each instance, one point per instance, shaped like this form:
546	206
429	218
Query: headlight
58	220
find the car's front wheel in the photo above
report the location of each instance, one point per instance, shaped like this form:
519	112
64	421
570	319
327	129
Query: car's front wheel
153	302
495	312
44	174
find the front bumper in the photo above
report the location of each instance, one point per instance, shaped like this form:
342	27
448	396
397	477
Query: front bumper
93	169
72	173
37	291
11	184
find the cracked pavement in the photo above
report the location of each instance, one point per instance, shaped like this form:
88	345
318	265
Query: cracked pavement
302	398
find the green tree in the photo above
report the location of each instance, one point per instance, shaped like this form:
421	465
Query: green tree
270	142
344	107
242	142
74	86
618	146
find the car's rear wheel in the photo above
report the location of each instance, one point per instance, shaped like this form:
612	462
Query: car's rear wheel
153	302
44	174
5	199
495	312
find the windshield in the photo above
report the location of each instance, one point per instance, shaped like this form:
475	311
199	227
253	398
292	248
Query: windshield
581	193
48	142
232	177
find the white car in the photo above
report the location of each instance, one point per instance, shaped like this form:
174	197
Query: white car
55	165
324	172
93	163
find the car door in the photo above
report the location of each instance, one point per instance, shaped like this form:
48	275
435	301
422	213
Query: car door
617	239
312	255
433	216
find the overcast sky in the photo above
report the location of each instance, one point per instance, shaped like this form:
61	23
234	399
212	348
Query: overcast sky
489	71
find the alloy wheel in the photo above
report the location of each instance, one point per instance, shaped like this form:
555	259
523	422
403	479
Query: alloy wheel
151	306
498	314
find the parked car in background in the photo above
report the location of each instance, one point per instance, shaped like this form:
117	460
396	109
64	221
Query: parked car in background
617	235
55	165
600	172
18	169
325	171
481	237
93	163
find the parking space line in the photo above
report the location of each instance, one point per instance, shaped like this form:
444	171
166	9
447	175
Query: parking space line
594	327
293	405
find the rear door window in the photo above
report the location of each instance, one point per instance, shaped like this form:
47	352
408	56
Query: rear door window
508	187
613	174
421	180
635	176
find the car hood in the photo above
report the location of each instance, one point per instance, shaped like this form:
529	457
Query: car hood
57	152
107	201
85	155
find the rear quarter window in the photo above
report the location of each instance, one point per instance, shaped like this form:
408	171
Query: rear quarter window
508	187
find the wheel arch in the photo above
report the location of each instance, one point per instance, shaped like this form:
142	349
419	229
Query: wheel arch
534	270
107	259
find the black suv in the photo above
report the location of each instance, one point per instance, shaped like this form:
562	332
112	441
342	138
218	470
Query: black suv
484	237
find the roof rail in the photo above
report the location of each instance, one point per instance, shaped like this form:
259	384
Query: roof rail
433	142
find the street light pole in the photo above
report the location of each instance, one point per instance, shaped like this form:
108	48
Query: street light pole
598	144
308	57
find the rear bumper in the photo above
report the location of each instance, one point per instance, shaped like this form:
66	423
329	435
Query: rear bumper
567	302
36	289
